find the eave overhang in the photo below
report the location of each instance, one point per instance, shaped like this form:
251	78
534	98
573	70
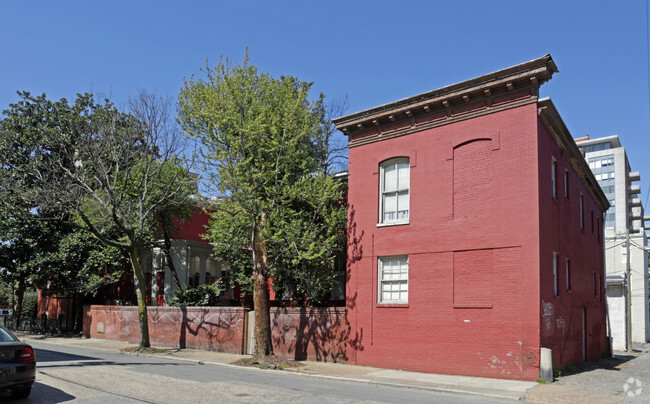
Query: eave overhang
551	119
492	92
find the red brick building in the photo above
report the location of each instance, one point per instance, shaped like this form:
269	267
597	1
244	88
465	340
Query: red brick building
475	232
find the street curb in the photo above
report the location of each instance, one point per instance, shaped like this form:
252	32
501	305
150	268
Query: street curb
346	379
514	397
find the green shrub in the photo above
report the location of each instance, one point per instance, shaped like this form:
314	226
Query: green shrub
203	295
30	305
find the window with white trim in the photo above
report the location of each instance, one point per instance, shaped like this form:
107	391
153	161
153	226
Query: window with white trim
582	212
555	264
566	184
393	279
554	177
394	191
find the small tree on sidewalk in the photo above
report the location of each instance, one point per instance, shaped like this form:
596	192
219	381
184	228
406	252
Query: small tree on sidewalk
264	149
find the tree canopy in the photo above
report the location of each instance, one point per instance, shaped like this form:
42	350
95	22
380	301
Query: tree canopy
93	167
264	146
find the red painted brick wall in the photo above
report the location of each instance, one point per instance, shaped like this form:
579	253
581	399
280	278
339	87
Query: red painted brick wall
193	228
562	315
211	328
314	333
300	333
485	325
53	306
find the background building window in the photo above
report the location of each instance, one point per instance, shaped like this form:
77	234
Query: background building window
195	271
210	271
394	191
568	275
393	279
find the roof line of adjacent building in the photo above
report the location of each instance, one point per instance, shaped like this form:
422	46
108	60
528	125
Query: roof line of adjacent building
613	139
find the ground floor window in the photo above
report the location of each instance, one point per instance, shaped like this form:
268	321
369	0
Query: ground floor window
393	279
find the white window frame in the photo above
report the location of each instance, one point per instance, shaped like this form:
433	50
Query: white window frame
566	184
554	177
555	265
582	211
399	281
402	189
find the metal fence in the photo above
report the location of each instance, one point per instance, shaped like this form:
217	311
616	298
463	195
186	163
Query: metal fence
34	325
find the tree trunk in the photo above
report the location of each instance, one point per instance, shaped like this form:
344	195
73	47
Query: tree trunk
168	255
263	347
78	312
20	295
138	279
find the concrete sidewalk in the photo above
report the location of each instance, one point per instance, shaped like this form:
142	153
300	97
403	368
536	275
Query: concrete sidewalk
475	386
598	385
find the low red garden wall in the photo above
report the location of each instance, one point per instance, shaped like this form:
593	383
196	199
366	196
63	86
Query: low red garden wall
211	328
317	333
314	333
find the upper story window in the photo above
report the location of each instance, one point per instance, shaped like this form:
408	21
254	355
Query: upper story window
555	264
582	212
566	184
554	178
394	191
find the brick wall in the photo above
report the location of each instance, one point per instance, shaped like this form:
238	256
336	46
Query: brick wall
314	333
460	319
300	333
563	314
56	308
211	328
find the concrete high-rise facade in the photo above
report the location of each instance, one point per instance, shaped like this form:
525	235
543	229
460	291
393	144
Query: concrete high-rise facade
608	161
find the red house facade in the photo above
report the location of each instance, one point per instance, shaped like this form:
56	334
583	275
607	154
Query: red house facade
475	232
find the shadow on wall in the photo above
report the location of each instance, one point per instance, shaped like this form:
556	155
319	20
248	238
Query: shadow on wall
321	333
317	333
217	330
355	253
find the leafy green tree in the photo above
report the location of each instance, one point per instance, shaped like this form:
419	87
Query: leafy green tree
78	266
91	166
264	150
23	245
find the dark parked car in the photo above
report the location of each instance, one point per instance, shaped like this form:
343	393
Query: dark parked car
17	365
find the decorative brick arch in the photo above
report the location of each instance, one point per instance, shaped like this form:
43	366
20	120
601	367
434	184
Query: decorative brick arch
462	138
398	152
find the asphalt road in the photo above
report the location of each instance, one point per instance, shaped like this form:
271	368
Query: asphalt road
74	374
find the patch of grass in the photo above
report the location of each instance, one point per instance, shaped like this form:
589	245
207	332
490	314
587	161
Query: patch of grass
282	366
149	350
244	361
541	381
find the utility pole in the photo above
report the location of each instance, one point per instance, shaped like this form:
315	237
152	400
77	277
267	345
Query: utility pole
628	311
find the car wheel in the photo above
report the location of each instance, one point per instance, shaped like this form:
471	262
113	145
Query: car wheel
22	392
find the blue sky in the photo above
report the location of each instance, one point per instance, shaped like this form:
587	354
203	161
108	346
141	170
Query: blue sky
372	51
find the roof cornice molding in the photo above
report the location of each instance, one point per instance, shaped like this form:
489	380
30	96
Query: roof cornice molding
551	118
446	102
